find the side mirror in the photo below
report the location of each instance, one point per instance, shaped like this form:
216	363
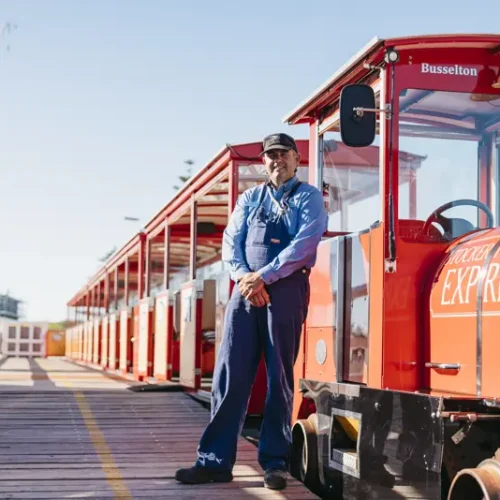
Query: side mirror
357	127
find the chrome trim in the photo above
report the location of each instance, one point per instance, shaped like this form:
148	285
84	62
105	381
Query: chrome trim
346	461
347	327
351	390
444	366
354	315
491	403
321	352
338	282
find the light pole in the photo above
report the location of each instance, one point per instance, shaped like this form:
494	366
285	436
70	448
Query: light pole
108	254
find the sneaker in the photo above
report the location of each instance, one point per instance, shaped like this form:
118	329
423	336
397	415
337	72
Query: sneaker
275	479
201	475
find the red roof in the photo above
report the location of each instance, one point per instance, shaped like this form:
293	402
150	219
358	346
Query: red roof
373	53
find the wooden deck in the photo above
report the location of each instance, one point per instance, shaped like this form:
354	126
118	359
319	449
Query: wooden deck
70	432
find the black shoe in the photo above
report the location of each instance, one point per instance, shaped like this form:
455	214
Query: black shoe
201	475
275	479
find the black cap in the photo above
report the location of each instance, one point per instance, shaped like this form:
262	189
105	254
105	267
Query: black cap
278	141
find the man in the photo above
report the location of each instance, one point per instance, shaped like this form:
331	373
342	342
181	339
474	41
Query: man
270	245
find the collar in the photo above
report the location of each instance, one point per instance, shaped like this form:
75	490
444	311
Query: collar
284	188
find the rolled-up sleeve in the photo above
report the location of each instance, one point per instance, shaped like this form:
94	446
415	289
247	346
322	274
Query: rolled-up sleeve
312	223
233	241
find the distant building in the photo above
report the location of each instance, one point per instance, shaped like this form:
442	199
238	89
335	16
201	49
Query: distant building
9	307
22	338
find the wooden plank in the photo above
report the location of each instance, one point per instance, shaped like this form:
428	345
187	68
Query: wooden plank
72	441
207	492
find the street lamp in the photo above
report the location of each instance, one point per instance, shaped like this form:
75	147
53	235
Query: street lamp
113	250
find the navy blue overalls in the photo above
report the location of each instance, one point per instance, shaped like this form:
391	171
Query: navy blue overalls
248	331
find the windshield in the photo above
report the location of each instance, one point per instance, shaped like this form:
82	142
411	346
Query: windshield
452	147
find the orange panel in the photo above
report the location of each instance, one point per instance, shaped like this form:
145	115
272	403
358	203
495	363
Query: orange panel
114	341
190	336
405	313
356	310
454	321
90	341
96	354
105	342
68	344
163	332
126	329
490	329
74	343
320	354
55	344
321	306
376	307
135	340
144	366
81	341
86	340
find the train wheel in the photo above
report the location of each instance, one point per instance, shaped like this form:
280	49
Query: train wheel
304	456
480	483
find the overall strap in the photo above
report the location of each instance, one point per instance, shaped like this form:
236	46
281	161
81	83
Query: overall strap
291	193
283	206
261	195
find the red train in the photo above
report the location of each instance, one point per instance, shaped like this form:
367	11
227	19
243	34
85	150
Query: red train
397	392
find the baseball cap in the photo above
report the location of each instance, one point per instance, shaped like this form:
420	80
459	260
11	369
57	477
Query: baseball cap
278	141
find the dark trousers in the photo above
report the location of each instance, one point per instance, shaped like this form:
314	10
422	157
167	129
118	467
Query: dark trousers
248	332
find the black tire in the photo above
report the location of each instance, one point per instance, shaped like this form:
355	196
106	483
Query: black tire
304	455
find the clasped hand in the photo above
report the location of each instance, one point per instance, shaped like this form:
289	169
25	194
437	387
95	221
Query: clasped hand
252	288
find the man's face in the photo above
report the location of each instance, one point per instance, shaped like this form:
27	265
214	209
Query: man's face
280	165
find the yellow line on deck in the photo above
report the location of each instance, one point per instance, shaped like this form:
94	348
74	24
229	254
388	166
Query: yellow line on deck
113	475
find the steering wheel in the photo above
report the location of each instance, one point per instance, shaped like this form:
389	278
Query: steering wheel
463	226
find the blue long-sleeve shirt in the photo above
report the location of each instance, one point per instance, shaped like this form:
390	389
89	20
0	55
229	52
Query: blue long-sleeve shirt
306	221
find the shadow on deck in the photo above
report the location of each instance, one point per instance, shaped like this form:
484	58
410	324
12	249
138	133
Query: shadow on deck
70	432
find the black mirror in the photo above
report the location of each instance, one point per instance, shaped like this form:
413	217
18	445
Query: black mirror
357	128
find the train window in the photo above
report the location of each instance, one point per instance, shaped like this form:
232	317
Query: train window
441	136
351	184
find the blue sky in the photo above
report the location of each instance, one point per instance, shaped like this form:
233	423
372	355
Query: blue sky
102	101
